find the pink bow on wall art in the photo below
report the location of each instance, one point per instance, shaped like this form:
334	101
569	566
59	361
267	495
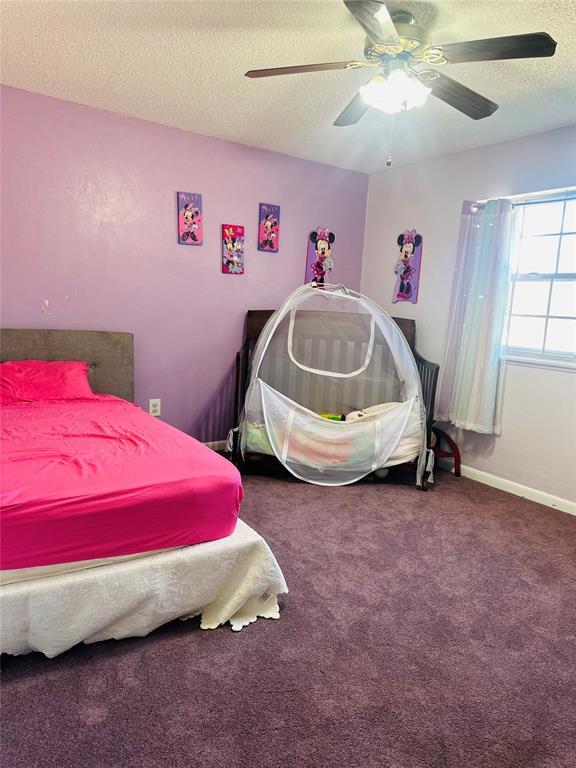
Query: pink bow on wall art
407	268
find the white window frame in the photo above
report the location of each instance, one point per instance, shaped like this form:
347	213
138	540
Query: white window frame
540	357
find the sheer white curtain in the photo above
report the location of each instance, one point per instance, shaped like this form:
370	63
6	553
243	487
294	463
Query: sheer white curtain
473	373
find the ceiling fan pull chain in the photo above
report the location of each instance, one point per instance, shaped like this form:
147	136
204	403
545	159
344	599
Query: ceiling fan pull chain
390	141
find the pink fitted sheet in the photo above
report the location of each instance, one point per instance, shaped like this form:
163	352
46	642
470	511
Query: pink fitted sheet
97	478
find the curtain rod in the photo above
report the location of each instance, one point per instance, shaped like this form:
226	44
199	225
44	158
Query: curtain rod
553	195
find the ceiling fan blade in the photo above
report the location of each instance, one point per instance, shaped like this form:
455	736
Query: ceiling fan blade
303	68
353	112
496	48
375	20
457	95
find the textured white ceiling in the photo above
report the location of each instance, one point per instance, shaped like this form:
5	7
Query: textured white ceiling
182	64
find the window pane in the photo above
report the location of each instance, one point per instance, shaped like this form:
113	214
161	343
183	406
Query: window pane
563	301
537	254
567	261
527	332
530	297
542	218
570	216
561	336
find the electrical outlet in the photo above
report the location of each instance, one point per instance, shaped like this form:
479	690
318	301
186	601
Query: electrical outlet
154	406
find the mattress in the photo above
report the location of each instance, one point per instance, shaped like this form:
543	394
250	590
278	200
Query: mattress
406	449
99	478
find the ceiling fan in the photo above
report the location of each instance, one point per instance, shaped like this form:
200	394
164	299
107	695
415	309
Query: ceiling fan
399	49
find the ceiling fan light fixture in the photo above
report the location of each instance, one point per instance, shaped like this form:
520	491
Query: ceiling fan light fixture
396	92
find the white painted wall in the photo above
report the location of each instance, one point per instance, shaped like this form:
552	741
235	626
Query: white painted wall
537	447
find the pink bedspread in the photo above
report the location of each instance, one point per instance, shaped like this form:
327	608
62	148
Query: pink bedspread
100	478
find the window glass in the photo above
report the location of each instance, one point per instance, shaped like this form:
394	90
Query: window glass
561	336
531	297
567	262
542	218
570	216
537	254
542	317
563	299
526	332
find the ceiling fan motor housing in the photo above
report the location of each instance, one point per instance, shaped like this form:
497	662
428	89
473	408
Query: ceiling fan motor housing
412	37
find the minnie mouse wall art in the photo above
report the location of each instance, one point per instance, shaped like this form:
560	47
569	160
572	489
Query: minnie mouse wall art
269	227
189	218
232	249
407	269
319	258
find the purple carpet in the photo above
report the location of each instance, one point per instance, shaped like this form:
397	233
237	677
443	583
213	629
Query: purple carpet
421	630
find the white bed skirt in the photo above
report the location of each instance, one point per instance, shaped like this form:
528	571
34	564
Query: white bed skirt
236	579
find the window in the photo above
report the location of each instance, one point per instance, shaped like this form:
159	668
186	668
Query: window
542	320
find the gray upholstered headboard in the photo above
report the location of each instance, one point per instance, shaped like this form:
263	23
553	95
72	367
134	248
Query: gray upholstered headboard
109	354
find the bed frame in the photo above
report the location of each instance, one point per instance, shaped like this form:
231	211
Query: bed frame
109	354
234	579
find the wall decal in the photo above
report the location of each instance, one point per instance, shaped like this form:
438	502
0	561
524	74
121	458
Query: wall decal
268	227
407	269
319	259
232	249
189	218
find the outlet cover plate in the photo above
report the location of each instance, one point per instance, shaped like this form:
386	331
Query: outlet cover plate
154	406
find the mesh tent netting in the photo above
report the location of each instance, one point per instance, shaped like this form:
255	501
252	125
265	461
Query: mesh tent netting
326	354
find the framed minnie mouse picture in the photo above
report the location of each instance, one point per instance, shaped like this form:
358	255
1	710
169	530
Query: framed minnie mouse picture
269	227
319	259
232	249
190	218
407	268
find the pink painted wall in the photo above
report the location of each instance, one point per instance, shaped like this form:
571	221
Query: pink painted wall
89	223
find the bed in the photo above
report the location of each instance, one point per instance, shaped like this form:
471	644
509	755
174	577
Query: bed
113	522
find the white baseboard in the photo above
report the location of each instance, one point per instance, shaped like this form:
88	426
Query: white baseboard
541	497
217	445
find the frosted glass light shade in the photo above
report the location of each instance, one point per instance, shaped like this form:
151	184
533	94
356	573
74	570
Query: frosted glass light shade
395	93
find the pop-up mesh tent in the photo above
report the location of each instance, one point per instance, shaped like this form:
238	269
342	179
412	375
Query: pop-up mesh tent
334	392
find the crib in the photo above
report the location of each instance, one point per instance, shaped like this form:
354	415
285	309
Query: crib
329	386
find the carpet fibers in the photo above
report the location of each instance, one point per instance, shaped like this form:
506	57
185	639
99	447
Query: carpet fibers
421	630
